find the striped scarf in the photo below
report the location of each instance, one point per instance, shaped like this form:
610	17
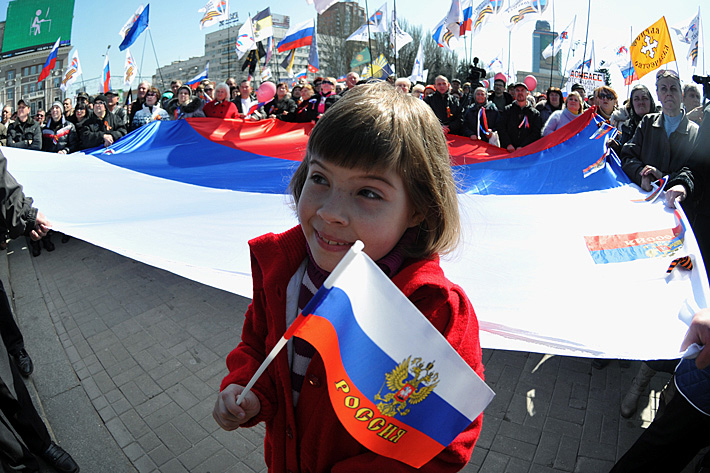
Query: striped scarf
313	279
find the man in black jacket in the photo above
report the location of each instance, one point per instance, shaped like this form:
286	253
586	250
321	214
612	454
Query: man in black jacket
102	128
24	132
519	123
445	106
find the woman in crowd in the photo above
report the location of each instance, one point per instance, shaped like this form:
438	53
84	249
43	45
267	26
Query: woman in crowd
80	112
151	110
554	102
429	90
324	100
221	106
417	91
480	117
605	99
301	114
187	106
281	104
627	118
559	118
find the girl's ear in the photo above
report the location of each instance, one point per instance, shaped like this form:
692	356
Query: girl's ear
416	218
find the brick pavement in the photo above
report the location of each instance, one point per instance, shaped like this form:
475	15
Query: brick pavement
142	352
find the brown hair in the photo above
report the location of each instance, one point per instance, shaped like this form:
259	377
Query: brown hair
579	97
375	127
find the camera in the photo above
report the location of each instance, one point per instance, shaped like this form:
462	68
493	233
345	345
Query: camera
475	74
705	82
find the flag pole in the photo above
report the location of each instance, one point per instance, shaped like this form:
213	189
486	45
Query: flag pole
162	81
369	39
552	67
508	72
586	37
140	69
355	250
394	34
631	39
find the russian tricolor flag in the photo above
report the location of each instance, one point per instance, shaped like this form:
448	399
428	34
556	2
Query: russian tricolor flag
396	384
297	36
51	61
106	76
194	82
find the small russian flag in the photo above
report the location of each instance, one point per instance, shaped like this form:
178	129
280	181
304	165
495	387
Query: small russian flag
51	61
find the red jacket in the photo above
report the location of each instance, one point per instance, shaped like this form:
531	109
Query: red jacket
224	109
311	438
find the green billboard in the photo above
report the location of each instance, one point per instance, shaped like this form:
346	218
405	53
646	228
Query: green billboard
33	24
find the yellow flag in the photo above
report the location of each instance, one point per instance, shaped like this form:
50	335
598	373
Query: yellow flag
652	48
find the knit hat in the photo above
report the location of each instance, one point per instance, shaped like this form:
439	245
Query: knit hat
57	104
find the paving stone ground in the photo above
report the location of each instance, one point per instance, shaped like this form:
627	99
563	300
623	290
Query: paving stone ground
129	359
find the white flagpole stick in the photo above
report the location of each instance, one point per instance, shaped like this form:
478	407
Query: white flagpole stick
354	251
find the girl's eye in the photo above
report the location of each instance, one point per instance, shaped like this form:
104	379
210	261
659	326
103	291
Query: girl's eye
370	194
318	179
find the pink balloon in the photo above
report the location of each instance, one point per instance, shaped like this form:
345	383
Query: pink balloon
531	82
266	92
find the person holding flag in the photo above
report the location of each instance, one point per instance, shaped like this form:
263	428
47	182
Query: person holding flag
480	119
377	170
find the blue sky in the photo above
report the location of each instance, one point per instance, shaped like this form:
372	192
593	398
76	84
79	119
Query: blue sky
175	28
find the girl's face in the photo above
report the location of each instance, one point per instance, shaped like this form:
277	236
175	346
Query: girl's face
573	103
339	206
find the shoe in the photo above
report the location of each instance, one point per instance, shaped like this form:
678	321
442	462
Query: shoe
58	458
47	243
23	362
65	238
638	387
36	248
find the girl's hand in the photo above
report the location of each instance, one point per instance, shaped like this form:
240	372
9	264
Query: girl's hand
228	414
649	174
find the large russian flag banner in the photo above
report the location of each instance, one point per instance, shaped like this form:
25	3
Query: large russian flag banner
395	383
560	253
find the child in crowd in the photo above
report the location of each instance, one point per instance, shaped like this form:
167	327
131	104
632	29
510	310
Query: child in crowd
376	169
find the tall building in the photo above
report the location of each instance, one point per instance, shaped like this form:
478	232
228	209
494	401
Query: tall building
542	37
29	32
341	19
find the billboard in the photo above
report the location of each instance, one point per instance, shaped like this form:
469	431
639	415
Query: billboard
33	25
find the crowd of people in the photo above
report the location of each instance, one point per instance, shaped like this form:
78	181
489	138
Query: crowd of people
654	140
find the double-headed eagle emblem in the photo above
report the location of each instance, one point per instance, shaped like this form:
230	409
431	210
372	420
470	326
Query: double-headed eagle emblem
406	383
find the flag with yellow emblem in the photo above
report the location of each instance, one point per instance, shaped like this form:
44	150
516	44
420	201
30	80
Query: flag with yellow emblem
652	48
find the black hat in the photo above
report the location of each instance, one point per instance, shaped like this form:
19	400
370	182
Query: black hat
111	92
101	97
577	86
21	102
82	95
521	84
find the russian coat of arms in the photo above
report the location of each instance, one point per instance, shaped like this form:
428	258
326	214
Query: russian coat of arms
407	383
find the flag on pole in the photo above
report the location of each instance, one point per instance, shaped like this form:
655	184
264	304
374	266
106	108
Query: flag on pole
129	70
199	77
629	74
50	62
301	75
454	18
269	50
137	27
127	26
297	36
564	38
484	12
689	33
418	68
444	37
245	39
398	37
288	62
652	48
106	76
214	12
522	11
263	25
467	23
363	57
73	71
322	5
376	24
313	65
380	69
415	392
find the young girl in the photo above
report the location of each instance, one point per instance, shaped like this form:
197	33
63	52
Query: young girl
376	169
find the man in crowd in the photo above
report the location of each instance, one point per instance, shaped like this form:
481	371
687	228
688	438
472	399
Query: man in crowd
245	101
24	132
40	117
113	107
83	99
445	106
351	81
101	128
456	87
68	109
140	100
500	97
519	123
6	116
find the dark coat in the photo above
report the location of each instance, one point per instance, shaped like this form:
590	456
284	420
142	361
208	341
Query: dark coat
279	107
93	130
470	120
27	135
512	129
447	110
